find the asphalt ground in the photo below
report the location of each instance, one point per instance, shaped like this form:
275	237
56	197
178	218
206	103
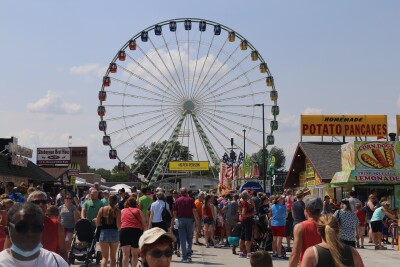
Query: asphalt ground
203	256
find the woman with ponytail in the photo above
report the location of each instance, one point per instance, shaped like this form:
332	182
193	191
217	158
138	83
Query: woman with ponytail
331	252
109	217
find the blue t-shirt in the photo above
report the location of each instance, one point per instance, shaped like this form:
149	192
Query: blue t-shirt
278	215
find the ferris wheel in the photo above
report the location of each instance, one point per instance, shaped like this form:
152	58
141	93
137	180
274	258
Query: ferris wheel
189	81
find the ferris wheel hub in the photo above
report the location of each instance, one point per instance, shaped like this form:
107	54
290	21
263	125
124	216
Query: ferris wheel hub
189	106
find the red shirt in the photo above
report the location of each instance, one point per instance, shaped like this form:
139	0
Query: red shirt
130	218
311	236
209	211
361	217
50	234
248	210
184	207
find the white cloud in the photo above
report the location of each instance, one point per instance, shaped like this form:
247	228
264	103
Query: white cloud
312	111
53	103
84	69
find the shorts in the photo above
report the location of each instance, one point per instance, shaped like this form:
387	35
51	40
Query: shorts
109	236
130	237
233	240
247	229
69	230
208	221
376	226
278	231
289	228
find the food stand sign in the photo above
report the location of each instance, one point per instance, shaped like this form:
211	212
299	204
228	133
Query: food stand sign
53	156
355	177
188	165
344	125
398	124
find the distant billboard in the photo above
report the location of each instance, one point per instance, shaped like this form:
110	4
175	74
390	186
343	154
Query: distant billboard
53	156
344	125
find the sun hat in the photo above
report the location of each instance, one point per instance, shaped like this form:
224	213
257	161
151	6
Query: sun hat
152	235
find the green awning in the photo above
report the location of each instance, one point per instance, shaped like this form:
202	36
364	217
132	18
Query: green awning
355	177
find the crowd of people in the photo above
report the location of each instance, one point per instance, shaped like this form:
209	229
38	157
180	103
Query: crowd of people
153	225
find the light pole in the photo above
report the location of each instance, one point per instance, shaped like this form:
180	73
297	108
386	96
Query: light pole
263	148
244	152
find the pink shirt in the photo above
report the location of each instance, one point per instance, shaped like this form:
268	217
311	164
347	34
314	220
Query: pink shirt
130	218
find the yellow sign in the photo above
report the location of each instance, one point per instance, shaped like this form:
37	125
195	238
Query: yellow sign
189	166
398	126
309	171
344	125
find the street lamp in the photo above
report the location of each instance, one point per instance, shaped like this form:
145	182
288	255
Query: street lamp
263	148
244	151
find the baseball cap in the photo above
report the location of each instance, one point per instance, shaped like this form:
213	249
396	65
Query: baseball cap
152	235
314	204
106	192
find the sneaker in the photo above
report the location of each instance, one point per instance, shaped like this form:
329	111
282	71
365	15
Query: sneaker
242	255
282	257
189	259
380	247
178	253
249	255
362	247
184	261
208	245
274	255
217	246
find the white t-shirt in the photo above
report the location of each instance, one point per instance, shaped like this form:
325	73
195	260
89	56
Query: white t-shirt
156	209
46	258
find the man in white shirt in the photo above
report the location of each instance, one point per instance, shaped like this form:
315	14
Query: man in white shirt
353	200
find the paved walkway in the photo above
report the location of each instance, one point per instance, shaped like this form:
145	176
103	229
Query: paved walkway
223	257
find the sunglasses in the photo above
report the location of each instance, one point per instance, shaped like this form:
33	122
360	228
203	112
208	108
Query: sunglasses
24	228
157	253
40	201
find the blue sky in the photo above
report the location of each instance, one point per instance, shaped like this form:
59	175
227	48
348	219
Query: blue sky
327	57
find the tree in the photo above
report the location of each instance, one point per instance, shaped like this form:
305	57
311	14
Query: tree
277	152
152	154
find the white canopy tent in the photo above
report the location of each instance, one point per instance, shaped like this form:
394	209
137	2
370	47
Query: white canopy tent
119	186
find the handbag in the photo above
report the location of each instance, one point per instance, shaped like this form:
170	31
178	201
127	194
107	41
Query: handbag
166	216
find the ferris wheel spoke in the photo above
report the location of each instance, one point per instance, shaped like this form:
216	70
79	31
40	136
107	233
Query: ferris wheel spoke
173	63
235	114
205	86
211	132
205	61
167	95
140	97
147	140
195	67
194	139
230	129
165	66
231	121
210	68
139	123
180	58
229	90
159	71
233	105
141	132
173	93
136	115
238	97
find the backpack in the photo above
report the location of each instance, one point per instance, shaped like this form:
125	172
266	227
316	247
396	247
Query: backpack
166	216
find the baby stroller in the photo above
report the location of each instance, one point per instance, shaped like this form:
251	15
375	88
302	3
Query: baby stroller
263	237
83	244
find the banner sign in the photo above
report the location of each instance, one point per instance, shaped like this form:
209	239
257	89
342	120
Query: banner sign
19	154
188	165
344	125
55	155
398	124
366	177
364	155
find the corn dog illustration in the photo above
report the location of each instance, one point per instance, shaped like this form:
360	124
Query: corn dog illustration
371	161
379	156
389	156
